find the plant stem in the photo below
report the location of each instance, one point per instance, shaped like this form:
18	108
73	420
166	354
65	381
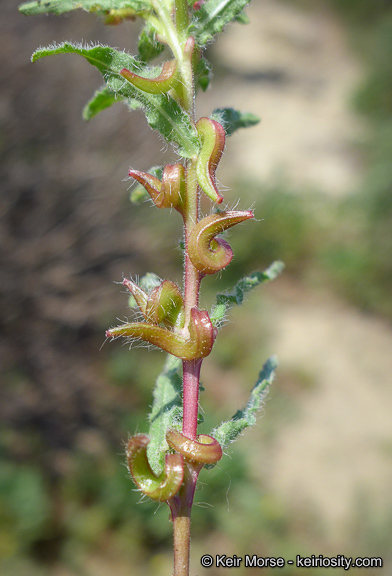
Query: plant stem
181	545
181	504
191	375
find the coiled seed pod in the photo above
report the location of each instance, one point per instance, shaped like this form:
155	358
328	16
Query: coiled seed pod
164	304
160	488
212	136
168	193
199	344
207	253
205	449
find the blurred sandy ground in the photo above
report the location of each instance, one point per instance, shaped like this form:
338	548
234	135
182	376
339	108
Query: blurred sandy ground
295	70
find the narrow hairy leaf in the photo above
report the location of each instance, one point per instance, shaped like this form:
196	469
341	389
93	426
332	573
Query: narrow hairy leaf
228	431
213	17
102	99
149	47
162	112
166	412
62	6
233	120
236	296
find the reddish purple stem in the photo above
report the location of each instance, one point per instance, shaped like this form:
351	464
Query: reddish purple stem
191	375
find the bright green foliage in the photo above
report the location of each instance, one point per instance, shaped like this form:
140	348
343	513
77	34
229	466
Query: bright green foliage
166	412
163	113
229	431
103	98
233	120
236	296
100	6
213	17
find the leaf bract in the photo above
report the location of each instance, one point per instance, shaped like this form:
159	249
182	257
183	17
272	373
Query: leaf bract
163	113
213	16
233	120
102	99
166	412
236	296
228	431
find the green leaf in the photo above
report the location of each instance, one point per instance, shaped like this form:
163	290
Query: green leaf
228	431
100	6
236	296
203	74
233	120
242	18
149	47
213	17
162	112
102	99
166	412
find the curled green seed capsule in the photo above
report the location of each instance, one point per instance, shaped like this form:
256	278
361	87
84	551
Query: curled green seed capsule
170	193
199	344
158	85
160	488
212	136
205	449
207	253
164	304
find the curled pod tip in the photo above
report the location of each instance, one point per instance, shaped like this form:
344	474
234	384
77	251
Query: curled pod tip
173	189
205	449
202	332
158	85
150	182
159	488
168	193
138	293
212	136
199	344
207	253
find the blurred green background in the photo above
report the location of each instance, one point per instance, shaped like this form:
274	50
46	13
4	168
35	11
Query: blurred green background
314	477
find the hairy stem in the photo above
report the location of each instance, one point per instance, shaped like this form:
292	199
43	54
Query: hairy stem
181	545
191	375
181	505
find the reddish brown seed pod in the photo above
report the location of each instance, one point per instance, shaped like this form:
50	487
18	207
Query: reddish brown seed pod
205	449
